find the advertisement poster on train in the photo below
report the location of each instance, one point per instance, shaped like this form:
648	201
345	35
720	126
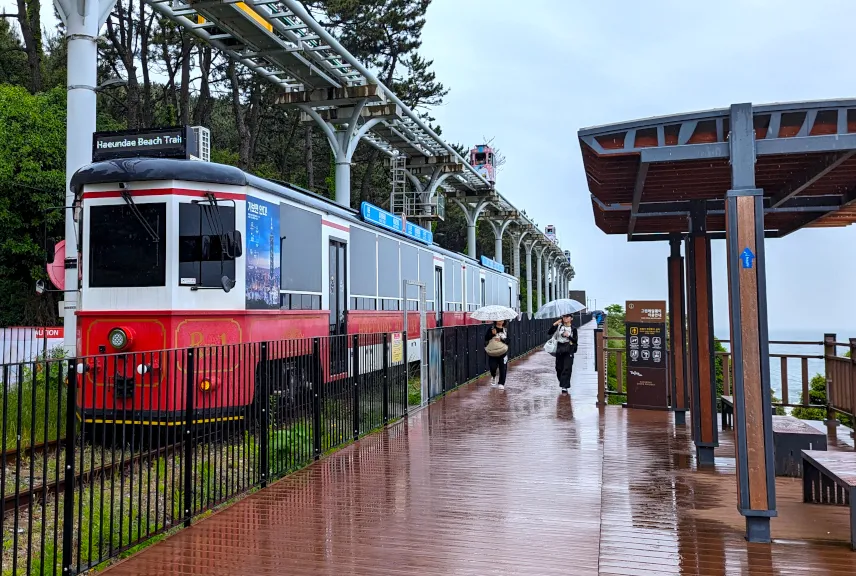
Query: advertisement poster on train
263	254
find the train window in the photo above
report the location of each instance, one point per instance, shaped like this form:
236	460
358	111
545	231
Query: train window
363	304
127	246
202	261
300	302
390	304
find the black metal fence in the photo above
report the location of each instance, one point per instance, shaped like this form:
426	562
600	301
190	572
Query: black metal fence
102	454
461	351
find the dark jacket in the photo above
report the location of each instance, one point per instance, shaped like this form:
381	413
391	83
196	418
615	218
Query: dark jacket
489	334
565	347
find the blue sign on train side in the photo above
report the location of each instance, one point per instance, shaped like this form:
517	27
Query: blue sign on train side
380	217
492	264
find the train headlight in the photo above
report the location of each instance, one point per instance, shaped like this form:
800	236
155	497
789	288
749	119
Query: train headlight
205	385
119	339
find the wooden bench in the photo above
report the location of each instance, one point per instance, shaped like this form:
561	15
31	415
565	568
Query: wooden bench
830	478
728	411
790	437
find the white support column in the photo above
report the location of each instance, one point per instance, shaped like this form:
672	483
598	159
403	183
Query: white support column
499	229
428	189
343	142
471	213
83	20
516	242
539	254
528	247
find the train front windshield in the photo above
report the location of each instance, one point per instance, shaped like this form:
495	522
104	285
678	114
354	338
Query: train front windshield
127	245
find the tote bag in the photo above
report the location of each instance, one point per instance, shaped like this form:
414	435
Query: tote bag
551	345
496	348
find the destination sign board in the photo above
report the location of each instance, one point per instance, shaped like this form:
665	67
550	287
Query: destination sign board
492	264
380	217
176	142
646	354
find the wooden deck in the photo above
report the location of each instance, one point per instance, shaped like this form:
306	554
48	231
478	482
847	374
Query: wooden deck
511	482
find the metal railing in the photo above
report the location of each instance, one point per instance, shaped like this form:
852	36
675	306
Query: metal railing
459	351
838	373
105	453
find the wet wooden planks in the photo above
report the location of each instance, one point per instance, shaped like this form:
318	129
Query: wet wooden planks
517	481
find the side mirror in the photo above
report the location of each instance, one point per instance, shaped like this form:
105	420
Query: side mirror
227	283
40	286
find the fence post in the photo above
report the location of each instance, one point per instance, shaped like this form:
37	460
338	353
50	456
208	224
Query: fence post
852	394
829	352
356	368
317	377
68	529
264	415
190	387
385	379
603	364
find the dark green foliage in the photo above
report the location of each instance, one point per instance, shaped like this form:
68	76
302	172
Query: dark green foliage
32	181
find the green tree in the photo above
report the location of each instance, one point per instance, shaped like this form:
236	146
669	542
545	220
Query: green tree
32	182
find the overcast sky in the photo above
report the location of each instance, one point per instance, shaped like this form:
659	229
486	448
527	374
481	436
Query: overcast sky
532	74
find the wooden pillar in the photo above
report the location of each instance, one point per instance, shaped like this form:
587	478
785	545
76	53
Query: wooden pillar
753	433
702	374
677	333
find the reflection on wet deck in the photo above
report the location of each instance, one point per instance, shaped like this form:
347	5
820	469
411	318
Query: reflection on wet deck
515	481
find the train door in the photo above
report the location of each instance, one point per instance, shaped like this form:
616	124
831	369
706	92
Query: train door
338	308
439	303
483	293
511	297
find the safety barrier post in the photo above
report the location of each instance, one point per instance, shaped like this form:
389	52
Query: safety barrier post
189	361
317	378
386	379
68	530
356	368
264	422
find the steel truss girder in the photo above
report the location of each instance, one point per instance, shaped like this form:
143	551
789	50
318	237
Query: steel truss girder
281	42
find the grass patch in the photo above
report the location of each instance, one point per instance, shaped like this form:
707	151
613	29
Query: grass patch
33	406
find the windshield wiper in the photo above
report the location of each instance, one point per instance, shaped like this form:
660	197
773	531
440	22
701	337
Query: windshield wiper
129	200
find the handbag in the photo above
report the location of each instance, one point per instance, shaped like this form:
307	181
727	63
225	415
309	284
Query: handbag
551	346
496	348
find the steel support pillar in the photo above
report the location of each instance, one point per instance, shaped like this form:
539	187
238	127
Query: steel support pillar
700	310
499	228
343	139
677	333
427	189
528	247
551	280
747	302
539	254
516	242
471	213
83	20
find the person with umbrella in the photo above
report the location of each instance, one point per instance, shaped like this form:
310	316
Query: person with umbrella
495	340
565	335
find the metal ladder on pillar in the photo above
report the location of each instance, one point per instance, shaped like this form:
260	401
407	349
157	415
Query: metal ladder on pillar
400	202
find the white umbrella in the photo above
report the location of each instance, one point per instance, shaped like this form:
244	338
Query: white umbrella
559	308
493	313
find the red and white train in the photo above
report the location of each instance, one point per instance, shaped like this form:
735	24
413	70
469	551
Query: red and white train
179	254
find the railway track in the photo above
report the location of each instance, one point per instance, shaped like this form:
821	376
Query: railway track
11	456
29	496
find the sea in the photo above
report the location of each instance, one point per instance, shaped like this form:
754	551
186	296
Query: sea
815	366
